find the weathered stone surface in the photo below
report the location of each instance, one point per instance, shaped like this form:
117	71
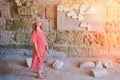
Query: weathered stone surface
13	25
65	23
33	10
72	51
29	61
58	64
28	36
30	7
99	72
82	51
78	1
53	25
22	38
61	48
26	25
4	14
40	11
99	64
74	43
87	39
98	52
79	38
92	39
18	2
114	52
71	38
61	37
24	11
72	14
51	37
2	23
45	25
11	52
25	52
88	64
56	54
5	52
5	11
78	51
108	64
54	0
6	37
51	12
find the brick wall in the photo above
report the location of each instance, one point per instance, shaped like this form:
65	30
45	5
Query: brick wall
16	30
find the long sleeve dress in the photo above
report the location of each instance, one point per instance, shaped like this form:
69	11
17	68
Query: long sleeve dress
38	38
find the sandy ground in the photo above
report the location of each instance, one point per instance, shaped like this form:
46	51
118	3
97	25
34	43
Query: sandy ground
14	67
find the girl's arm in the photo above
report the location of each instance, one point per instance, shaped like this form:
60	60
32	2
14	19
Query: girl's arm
36	48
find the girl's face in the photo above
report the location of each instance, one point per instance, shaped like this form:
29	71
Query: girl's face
38	24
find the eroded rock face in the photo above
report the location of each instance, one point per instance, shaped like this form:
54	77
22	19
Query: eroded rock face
4	14
6	37
2	22
100	72
58	64
88	64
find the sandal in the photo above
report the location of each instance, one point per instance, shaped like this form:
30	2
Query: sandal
43	72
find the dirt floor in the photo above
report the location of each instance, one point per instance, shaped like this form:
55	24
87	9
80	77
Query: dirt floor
14	67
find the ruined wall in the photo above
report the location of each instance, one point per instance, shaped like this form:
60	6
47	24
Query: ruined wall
16	28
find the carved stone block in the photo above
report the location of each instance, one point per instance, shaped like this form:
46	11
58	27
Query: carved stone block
51	12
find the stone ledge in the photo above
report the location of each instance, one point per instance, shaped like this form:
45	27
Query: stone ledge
16	46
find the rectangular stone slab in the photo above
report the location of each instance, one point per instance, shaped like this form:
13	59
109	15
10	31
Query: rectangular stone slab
29	61
99	72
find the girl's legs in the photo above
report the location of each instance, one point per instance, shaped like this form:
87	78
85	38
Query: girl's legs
40	68
40	74
42	71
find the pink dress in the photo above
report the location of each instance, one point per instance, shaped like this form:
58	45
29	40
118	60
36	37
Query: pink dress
38	38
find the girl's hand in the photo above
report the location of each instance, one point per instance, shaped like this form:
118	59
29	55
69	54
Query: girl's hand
38	55
38	59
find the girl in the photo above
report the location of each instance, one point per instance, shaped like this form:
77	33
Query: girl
40	47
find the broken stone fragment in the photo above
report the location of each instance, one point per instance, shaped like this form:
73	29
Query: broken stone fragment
88	64
29	61
83	25
69	14
58	64
89	27
99	72
72	14
75	16
80	17
108	64
99	64
18	2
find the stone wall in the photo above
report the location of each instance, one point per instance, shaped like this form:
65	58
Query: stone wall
16	29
